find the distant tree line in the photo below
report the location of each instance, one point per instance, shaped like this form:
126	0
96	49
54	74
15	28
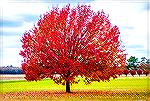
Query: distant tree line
134	66
10	70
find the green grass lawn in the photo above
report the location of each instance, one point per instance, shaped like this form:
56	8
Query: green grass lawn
120	89
123	83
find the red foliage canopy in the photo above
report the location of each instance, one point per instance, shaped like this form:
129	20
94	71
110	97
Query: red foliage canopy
126	72
71	42
139	72
132	72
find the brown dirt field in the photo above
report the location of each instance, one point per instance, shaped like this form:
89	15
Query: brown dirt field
12	77
21	77
119	95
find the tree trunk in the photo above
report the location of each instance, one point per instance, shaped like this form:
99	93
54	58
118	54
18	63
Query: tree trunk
68	83
67	87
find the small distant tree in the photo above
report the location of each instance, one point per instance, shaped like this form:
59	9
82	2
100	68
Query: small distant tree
71	42
146	72
120	72
143	59
132	72
148	61
132	63
139	72
145	65
126	72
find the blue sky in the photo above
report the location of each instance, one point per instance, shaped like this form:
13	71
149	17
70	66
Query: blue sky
18	16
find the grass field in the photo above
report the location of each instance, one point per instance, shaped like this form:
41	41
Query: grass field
124	88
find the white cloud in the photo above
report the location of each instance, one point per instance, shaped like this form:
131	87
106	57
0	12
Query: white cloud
11	46
26	26
11	57
12	9
137	35
128	15
11	42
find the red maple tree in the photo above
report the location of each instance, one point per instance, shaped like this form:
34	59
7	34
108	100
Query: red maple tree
66	43
139	72
132	72
126	72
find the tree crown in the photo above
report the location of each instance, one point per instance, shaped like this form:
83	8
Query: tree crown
71	42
